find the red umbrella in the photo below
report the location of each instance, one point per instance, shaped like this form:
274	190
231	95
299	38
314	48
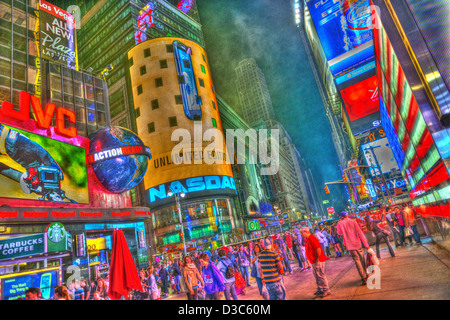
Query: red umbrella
123	275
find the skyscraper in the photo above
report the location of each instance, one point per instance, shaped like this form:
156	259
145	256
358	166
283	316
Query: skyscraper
253	93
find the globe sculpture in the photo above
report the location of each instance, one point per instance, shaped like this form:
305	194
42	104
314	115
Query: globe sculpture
119	158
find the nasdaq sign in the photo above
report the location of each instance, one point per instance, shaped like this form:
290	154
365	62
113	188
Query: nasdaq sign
191	185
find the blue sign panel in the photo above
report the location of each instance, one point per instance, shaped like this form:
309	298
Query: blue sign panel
341	25
356	72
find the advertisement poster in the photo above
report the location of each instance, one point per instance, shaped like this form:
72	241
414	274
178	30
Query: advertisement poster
341	25
14	288
362	105
383	153
34	167
57	35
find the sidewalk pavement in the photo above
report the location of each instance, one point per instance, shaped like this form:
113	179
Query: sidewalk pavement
416	273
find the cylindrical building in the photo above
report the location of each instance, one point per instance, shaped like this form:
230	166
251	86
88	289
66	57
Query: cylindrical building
174	97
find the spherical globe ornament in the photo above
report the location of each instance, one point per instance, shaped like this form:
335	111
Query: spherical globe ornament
119	158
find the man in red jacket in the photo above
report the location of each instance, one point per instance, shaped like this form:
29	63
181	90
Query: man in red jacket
317	258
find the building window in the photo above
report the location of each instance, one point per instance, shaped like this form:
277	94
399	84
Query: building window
203	56
151	127
178	99
138	112
139	90
155	104
203	69
147	53
214	105
214	123
158	82
169	48
163	64
201	82
173	121
143	70
130	61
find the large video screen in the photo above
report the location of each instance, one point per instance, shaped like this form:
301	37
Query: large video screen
14	288
34	167
380	152
341	25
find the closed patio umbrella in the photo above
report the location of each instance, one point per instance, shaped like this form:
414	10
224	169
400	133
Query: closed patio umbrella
123	275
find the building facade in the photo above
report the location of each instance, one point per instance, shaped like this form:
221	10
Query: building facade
175	101
415	105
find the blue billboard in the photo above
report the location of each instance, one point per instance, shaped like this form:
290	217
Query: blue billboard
342	26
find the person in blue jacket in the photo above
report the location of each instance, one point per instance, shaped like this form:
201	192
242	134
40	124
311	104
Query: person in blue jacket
213	279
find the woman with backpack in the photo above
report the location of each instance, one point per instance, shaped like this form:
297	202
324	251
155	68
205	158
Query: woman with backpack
380	233
244	262
213	279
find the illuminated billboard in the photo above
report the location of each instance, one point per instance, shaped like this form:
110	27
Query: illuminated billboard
38	168
343	26
379	151
57	35
362	107
42	165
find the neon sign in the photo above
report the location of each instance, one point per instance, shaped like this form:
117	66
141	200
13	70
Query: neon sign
43	116
185	5
144	21
193	185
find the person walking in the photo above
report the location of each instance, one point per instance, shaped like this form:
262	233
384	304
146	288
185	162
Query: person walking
335	241
391	219
280	247
320	237
404	234
255	267
410	218
212	278
244	262
380	233
301	250
326	242
227	269
271	270
289	245
317	258
353	236
152	287
165	280
295	249
191	277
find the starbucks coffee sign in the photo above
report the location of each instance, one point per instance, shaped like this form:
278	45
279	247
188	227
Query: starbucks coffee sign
58	239
22	246
56	232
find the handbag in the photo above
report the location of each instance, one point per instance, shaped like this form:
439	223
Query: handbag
265	293
253	273
408	232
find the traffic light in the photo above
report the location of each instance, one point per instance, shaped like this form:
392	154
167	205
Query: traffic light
327	191
181	236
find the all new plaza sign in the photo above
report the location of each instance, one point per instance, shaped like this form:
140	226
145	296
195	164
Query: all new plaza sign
55	239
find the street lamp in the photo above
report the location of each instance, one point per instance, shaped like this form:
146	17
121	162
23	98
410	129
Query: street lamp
177	200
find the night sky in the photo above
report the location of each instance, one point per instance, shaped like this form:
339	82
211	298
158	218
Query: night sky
265	30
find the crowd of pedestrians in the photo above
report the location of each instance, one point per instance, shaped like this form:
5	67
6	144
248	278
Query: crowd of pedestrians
226	272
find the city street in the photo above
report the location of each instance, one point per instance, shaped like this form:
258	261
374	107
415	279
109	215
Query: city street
416	273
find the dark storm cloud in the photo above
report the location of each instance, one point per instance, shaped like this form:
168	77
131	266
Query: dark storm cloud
265	30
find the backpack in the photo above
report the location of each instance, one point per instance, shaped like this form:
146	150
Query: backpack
229	273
